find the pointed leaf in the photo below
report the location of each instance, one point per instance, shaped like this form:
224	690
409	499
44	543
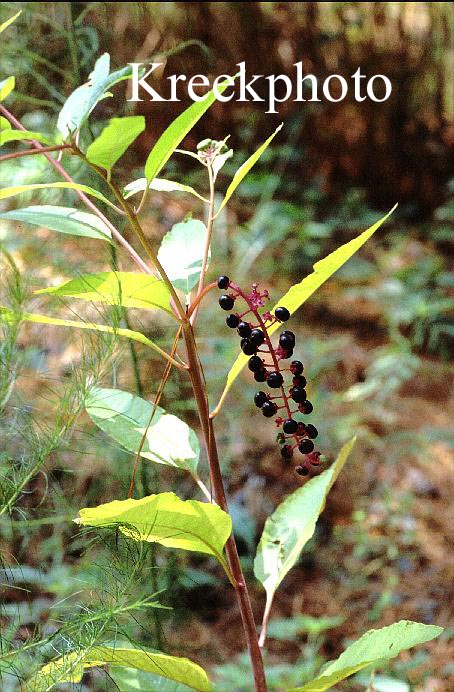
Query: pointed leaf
299	293
81	102
245	168
6	87
10	135
7	192
372	648
165	519
9	21
292	524
181	253
44	319
61	219
160	185
70	668
114	140
176	132
125	418
117	288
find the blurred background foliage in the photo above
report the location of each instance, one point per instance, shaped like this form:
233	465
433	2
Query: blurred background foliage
378	340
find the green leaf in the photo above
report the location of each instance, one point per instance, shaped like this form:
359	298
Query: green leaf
160	185
9	21
245	168
299	293
165	519
176	132
288	629
10	135
61	219
291	525
181	253
7	192
129	289
6	86
114	140
44	319
372	648
81	102
125	418
70	668
130	680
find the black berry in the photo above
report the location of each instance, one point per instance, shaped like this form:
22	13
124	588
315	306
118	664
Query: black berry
223	282
311	431
287	452
299	381
232	321
302	470
260	375
287	354
290	426
257	337
282	314
248	348
274	380
287	340
269	409
255	364
298	394
226	302
296	367
306	446
260	398
305	407
244	329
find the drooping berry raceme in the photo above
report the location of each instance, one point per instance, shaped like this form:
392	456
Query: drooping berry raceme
286	401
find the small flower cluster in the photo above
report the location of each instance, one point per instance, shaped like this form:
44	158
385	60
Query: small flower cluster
266	364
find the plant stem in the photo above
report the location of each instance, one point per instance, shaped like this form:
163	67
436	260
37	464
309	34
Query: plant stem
206	251
32	152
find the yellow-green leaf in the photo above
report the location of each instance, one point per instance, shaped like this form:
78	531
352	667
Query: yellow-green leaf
70	668
160	185
129	289
245	168
6	87
299	293
11	135
176	132
165	519
114	140
9	21
292	524
62	220
44	319
372	648
7	192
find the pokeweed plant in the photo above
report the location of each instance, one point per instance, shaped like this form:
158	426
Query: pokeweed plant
173	281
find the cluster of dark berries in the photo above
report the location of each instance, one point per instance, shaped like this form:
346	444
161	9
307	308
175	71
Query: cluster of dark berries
265	362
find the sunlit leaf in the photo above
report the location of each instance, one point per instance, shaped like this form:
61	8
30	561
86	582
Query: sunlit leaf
11	135
125	418
299	293
7	192
292	524
61	219
114	140
373	648
81	102
181	253
129	289
70	668
245	168
160	185
12	316
176	132
9	21
6	87
130	680
191	525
